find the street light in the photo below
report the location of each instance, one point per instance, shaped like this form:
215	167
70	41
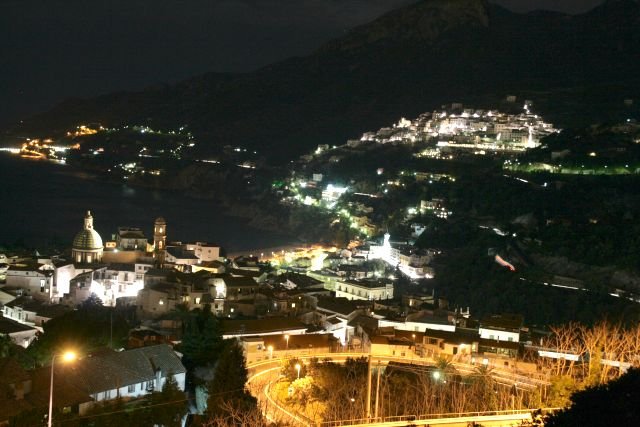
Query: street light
286	337
270	348
69	356
298	368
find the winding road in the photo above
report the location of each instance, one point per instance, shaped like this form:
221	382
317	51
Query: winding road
264	373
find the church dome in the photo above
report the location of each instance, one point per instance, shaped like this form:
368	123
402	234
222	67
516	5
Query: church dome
87	240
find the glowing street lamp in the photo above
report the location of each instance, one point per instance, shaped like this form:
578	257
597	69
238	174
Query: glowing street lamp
69	356
436	375
286	337
298	369
270	348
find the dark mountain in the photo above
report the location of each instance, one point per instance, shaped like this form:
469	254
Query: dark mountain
406	62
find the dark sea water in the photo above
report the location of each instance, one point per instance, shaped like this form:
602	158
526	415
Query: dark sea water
43	203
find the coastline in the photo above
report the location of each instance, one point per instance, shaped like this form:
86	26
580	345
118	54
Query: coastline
51	187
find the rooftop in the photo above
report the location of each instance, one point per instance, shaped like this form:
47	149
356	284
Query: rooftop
296	342
117	369
238	282
8	326
244	272
503	322
301	280
257	326
341	305
180	253
369	283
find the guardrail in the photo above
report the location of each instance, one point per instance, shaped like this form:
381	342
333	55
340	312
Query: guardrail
426	417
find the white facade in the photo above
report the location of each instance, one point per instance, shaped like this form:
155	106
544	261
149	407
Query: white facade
19	314
417	326
204	251
411	265
500	335
139	389
180	257
37	281
364	291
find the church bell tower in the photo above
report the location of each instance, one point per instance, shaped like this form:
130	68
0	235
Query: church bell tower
159	239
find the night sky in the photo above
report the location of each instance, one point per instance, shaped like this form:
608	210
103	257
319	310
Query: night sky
55	49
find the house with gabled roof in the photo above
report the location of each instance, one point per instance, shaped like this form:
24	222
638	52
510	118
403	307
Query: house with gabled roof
20	334
127	374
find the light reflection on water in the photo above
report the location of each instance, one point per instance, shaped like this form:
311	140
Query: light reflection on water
44	203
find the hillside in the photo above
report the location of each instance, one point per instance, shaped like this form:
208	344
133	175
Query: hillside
574	68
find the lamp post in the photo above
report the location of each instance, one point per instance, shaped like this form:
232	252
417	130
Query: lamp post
286	337
270	348
298	369
67	357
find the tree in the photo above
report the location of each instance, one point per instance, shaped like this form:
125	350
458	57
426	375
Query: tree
290	371
84	329
169	405
614	404
202	338
92	301
228	384
5	346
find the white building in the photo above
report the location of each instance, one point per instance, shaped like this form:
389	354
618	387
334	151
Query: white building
131	239
178	255
419	326
108	283
501	327
411	263
131	373
19	333
332	193
365	289
35	279
205	252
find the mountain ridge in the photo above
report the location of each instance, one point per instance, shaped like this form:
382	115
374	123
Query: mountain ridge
405	62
